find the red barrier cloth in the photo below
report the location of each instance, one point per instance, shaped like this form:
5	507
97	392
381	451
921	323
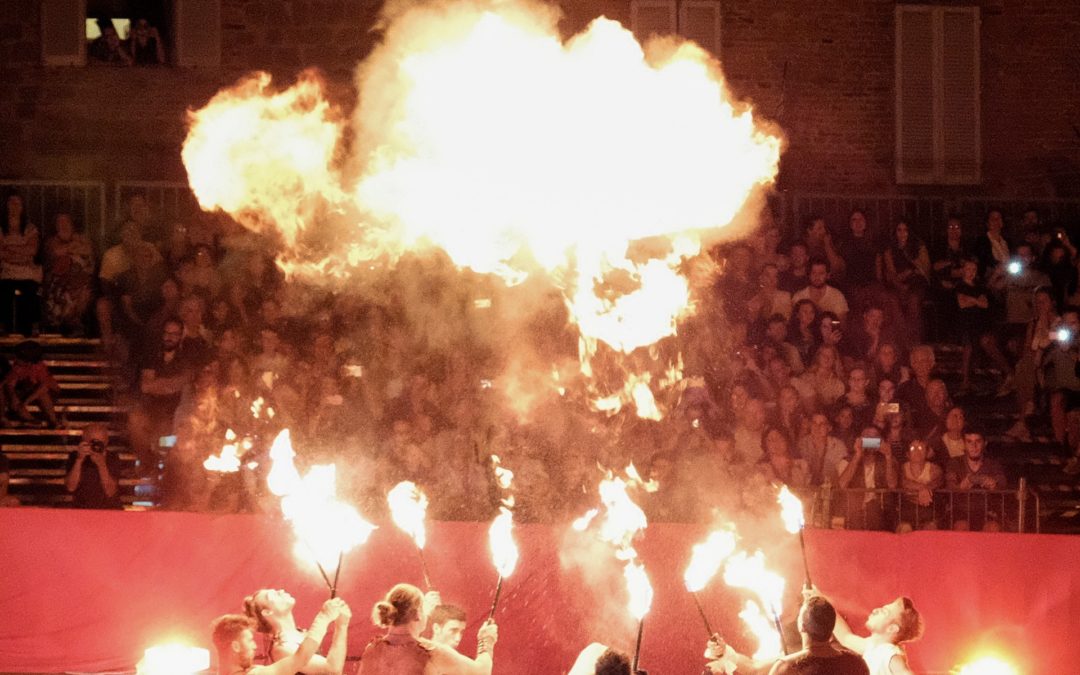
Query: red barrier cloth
89	591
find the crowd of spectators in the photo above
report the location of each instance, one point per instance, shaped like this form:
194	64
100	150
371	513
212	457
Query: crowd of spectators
143	46
833	388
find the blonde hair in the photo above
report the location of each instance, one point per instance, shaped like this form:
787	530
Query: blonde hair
400	606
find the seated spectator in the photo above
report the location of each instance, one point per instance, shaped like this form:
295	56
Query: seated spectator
765	245
936	407
819	245
69	275
736	286
949	443
1061	378
843	423
822	383
197	336
139	289
974	472
990	248
776	337
886	394
859	249
789	415
863	338
920	477
1017	282
912	393
826	298
821	450
830	330
797	276
896	433
777	376
973	318
777	465
906	269
198	274
93	471
857	396
20	274
147	47
803	330
887	365
1038	337
866	469
107	47
1059	264
769	300
29	382
748	432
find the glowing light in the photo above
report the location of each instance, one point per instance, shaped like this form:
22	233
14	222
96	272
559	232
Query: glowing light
504	550
706	558
791	511
173	659
228	460
769	647
325	528
988	665
749	572
408	508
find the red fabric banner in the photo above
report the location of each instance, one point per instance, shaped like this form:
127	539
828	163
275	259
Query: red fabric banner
89	591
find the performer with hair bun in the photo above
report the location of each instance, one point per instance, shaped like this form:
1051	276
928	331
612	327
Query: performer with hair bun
271	612
403	652
234	641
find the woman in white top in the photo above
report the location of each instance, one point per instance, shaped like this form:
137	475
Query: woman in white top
20	273
823	382
919	477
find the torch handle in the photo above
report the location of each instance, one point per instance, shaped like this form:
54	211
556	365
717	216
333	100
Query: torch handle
701	611
637	647
495	601
780	632
326	577
424	569
805	562
337	574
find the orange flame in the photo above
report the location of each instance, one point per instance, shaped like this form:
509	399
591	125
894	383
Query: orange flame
769	647
987	665
706	558
408	508
325	528
228	460
504	551
791	511
749	572
173	659
480	132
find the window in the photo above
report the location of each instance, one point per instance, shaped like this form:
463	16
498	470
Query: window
131	32
937	95
697	20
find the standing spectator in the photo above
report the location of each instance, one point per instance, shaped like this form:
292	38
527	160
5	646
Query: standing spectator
139	289
906	268
163	375
1059	264
819	244
147	48
866	469
949	261
107	47
69	277
825	297
20	275
991	249
859	249
1061	377
1018	281
29	382
973	316
1038	337
797	275
93	471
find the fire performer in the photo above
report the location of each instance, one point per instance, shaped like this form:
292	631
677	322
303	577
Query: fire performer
234	640
403	652
271	612
817	620
890	626
598	659
447	624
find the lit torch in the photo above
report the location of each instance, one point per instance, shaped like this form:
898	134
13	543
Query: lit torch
622	521
705	561
408	508
228	460
791	511
749	572
325	528
504	552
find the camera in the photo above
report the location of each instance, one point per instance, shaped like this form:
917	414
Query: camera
869	443
97	446
892	408
835	323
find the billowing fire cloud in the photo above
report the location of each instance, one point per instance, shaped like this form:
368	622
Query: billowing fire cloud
481	133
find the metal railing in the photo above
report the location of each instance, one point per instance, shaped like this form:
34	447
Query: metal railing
43	199
926	215
1018	510
169	201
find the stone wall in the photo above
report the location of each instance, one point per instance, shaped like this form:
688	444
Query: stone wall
823	70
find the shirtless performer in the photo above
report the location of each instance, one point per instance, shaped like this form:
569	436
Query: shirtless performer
403	652
234	640
890	627
271	612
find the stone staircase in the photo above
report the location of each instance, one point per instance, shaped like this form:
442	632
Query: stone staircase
1040	462
90	392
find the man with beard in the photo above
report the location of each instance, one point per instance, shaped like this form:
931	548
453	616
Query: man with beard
234	640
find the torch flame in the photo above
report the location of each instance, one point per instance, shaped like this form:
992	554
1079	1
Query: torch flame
325	528
749	572
504	551
408	508
641	592
791	511
173	659
769	647
988	665
228	460
706	558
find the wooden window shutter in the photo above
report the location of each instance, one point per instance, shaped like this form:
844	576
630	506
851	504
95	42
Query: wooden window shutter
197	26
699	20
937	95
63	32
650	18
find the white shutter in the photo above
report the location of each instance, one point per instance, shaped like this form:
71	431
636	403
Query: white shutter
915	113
937	95
197	29
960	100
63	32
699	20
650	18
